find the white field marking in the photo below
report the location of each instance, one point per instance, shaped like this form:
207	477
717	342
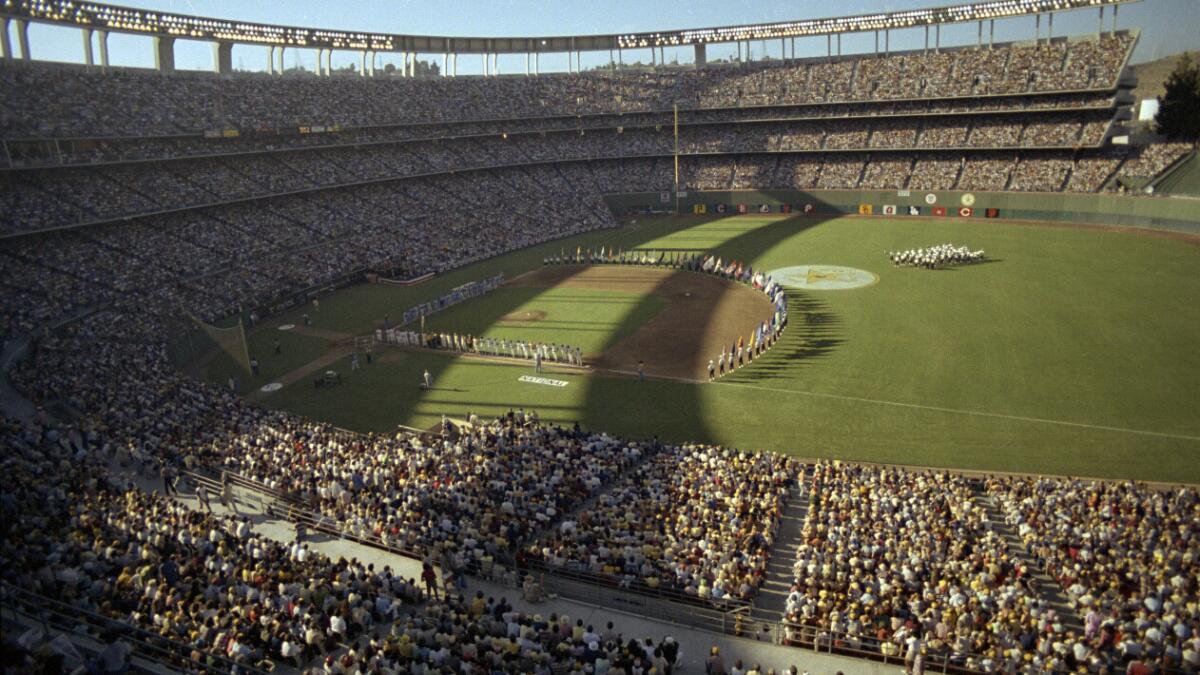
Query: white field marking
958	411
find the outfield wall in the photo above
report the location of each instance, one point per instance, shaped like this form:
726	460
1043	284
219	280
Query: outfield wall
1163	213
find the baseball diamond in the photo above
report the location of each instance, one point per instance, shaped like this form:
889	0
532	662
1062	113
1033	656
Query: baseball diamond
856	344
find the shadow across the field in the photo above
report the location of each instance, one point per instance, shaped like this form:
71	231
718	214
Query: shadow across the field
814	332
676	410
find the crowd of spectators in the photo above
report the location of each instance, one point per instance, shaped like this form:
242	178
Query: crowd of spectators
225	595
65	101
90	151
1127	556
48	99
693	519
892	558
1148	161
43	198
216	261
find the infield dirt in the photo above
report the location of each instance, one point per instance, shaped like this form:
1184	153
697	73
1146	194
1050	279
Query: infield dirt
702	314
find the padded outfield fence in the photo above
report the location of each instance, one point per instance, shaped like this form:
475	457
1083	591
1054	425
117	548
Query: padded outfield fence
1162	213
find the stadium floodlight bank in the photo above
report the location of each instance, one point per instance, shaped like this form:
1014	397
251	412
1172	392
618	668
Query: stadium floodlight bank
101	19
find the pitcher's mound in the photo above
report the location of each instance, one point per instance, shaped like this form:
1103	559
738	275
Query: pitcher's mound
524	317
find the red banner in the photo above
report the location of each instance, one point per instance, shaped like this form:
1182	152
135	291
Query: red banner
939	210
741	208
965	211
992	213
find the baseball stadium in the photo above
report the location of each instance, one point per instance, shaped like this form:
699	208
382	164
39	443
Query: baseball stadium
778	342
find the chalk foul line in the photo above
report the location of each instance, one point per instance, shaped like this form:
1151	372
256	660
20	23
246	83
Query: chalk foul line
959	411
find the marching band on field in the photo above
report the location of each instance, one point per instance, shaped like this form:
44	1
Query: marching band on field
935	256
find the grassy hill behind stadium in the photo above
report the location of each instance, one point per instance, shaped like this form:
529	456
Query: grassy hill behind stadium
1074	351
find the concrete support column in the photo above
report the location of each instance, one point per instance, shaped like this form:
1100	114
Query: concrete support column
320	66
454	65
991	33
164	54
87	46
537	63
1100	24
280	68
887	42
362	63
445	62
223	58
926	48
102	42
371	63
829	46
620	57
22	38
1037	29
485	64
1050	28
527	63
495	64
1114	24
412	64
271	60
701	55
783	49
839	41
876	43
979	44
937	39
5	45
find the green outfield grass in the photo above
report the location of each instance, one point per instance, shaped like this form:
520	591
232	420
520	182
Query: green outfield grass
297	350
1073	352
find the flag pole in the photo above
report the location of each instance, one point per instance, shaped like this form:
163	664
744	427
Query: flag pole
676	107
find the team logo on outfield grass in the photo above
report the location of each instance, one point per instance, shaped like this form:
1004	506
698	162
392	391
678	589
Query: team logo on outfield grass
272	386
823	277
287	326
542	380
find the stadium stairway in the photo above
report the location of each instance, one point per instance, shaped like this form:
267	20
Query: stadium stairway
772	596
1047	589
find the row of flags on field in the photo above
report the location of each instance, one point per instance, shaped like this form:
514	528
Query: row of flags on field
864	209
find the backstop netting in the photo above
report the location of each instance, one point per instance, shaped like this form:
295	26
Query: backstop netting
231	341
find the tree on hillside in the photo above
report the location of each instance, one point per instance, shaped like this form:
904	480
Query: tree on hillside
1179	106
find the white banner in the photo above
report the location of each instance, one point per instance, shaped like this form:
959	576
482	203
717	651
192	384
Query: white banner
542	380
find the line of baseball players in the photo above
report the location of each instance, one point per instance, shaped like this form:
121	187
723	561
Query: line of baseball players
538	352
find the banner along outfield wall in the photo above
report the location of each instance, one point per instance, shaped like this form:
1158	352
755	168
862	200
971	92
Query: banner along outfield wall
1163	213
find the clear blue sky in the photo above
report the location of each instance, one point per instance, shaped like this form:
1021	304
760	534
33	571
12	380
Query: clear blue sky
1167	26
